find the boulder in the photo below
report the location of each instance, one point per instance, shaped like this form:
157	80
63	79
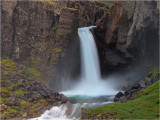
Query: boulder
123	98
63	98
118	96
133	91
135	86
148	79
126	93
142	84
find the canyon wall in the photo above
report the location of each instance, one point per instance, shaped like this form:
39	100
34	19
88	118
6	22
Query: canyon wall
128	33
43	34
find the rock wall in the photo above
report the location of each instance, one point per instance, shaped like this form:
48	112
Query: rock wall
128	33
43	34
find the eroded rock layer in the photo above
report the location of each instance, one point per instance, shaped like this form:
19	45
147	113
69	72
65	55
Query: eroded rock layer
128	32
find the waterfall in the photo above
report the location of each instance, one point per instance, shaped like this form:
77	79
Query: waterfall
91	83
91	91
89	55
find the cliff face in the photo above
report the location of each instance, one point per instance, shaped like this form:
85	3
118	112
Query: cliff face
22	95
28	31
43	34
129	31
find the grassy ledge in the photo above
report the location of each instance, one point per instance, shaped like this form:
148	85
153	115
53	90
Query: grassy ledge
146	106
71	9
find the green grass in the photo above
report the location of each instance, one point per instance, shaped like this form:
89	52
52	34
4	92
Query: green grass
34	72
58	50
153	71
146	106
19	92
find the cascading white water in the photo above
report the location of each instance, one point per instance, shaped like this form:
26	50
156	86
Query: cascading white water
91	87
89	55
55	113
91	83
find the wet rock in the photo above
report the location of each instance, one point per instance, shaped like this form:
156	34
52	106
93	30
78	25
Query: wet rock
63	98
136	86
142	84
117	96
44	94
126	93
123	99
84	114
133	91
56	94
148	79
58	98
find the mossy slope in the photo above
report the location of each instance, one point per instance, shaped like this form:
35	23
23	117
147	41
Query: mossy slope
19	95
146	106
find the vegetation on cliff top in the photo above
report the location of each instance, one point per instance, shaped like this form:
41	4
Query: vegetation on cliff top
145	106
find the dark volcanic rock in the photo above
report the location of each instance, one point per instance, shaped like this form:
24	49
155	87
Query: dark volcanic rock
130	29
130	92
117	96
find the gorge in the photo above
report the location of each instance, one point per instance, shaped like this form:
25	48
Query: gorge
54	66
90	91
